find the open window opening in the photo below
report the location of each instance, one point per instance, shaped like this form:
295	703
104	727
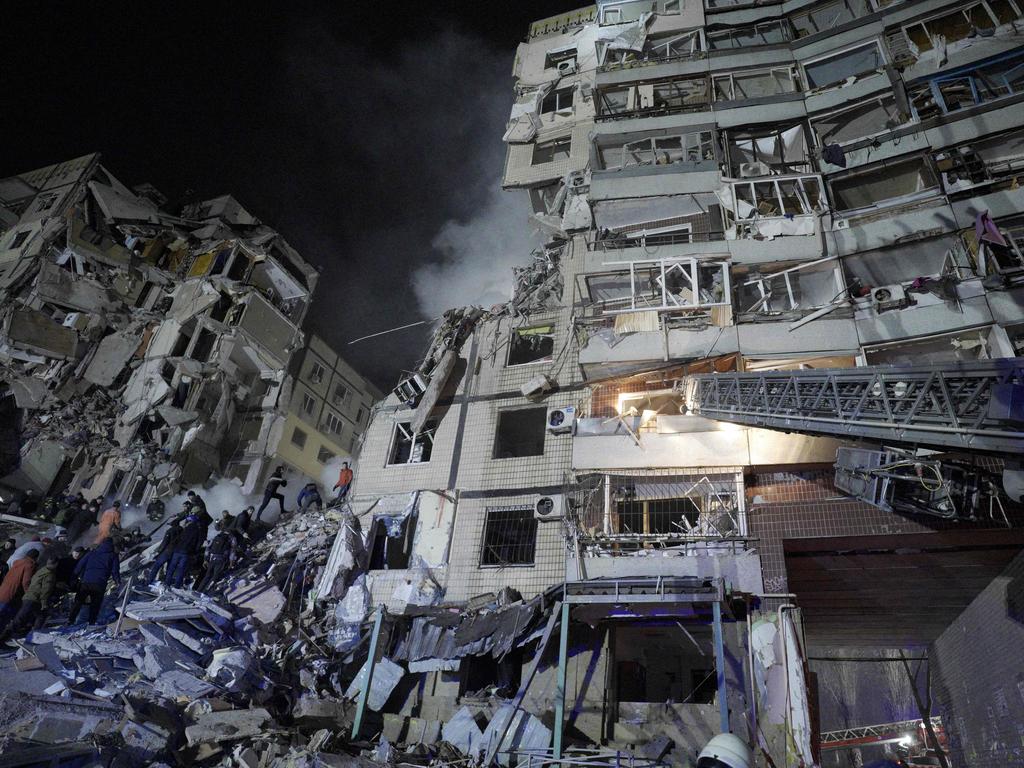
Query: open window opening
773	32
677	46
966	21
509	536
520	433
697	148
203	346
391	539
535	344
824	18
983	161
837	68
979	83
673	509
884	184
659	97
550	151
796	289
408	447
868	118
768	151
778	197
755	84
558	101
555	57
485	676
659	662
666	285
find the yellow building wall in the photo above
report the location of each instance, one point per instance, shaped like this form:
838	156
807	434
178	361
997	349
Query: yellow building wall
304	459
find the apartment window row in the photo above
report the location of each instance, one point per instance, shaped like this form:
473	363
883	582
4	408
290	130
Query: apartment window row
665	285
695	147
980	83
967	20
659	97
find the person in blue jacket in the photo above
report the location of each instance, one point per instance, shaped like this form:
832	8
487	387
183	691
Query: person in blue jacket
94	570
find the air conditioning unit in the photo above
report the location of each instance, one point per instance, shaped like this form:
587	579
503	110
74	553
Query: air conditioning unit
567	67
749	170
549	508
411	389
562	420
537	386
887	297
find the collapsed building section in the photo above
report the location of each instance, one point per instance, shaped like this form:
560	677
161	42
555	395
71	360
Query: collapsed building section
147	349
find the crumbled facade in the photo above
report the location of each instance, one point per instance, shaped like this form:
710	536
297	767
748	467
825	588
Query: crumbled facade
147	350
723	188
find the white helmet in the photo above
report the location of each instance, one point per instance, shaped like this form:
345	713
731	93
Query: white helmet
725	750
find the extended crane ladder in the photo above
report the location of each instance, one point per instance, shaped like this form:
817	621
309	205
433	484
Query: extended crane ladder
949	405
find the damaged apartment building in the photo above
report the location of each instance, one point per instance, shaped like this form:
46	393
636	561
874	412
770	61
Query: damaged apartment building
678	465
145	348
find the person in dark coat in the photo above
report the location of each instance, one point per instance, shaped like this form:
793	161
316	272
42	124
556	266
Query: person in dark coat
5	552
187	547
241	521
196	500
94	570
67	581
218	556
163	555
273	491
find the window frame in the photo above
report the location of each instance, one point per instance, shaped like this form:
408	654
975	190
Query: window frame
308	406
698	141
877	98
405	427
327	423
526	524
790	70
554	145
324	450
317	372
558	95
300	444
809	88
497	432
764	304
665	267
947	12
519	333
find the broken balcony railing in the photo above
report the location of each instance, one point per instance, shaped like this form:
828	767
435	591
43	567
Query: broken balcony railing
665	285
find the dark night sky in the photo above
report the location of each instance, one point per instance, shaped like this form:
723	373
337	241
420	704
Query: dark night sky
368	135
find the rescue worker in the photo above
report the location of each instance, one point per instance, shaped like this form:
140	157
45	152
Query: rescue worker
344	482
308	496
186	547
272	491
14	585
109	520
32	544
218	556
94	570
241	521
166	551
36	600
67	582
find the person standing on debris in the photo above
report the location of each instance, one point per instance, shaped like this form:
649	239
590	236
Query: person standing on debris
185	549
33	544
166	551
67	582
94	571
35	601
65	514
80	521
5	552
218	555
196	501
308	496
14	585
272	491
109	520
344	482
240	522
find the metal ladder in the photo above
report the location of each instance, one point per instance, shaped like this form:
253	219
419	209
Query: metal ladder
975	405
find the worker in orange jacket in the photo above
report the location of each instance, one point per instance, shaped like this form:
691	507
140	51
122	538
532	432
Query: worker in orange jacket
110	519
344	482
14	585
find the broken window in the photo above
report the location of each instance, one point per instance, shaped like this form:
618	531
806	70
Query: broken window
838	67
657	662
801	287
333	424
299	438
883	183
657	516
695	147
868	118
660	97
324	455
359	415
520	432
665	285
766	33
203	347
982	83
677	46
484	675
558	101
308	404
822	18
535	344
342	394
796	196
316	372
967	21
408	447
19	239
550	151
553	58
755	84
982	161
509	536
391	541
621	13
780	150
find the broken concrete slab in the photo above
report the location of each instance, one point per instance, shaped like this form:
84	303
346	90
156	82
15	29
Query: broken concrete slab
217	727
264	601
324	712
111	356
31	330
463	732
386	675
178	684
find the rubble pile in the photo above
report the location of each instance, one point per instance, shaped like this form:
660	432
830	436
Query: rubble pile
148	344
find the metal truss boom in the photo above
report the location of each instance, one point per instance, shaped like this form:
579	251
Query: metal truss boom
972	405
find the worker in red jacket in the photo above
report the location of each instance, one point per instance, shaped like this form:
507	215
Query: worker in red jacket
14	585
344	482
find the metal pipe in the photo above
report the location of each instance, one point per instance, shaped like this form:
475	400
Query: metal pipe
723	703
